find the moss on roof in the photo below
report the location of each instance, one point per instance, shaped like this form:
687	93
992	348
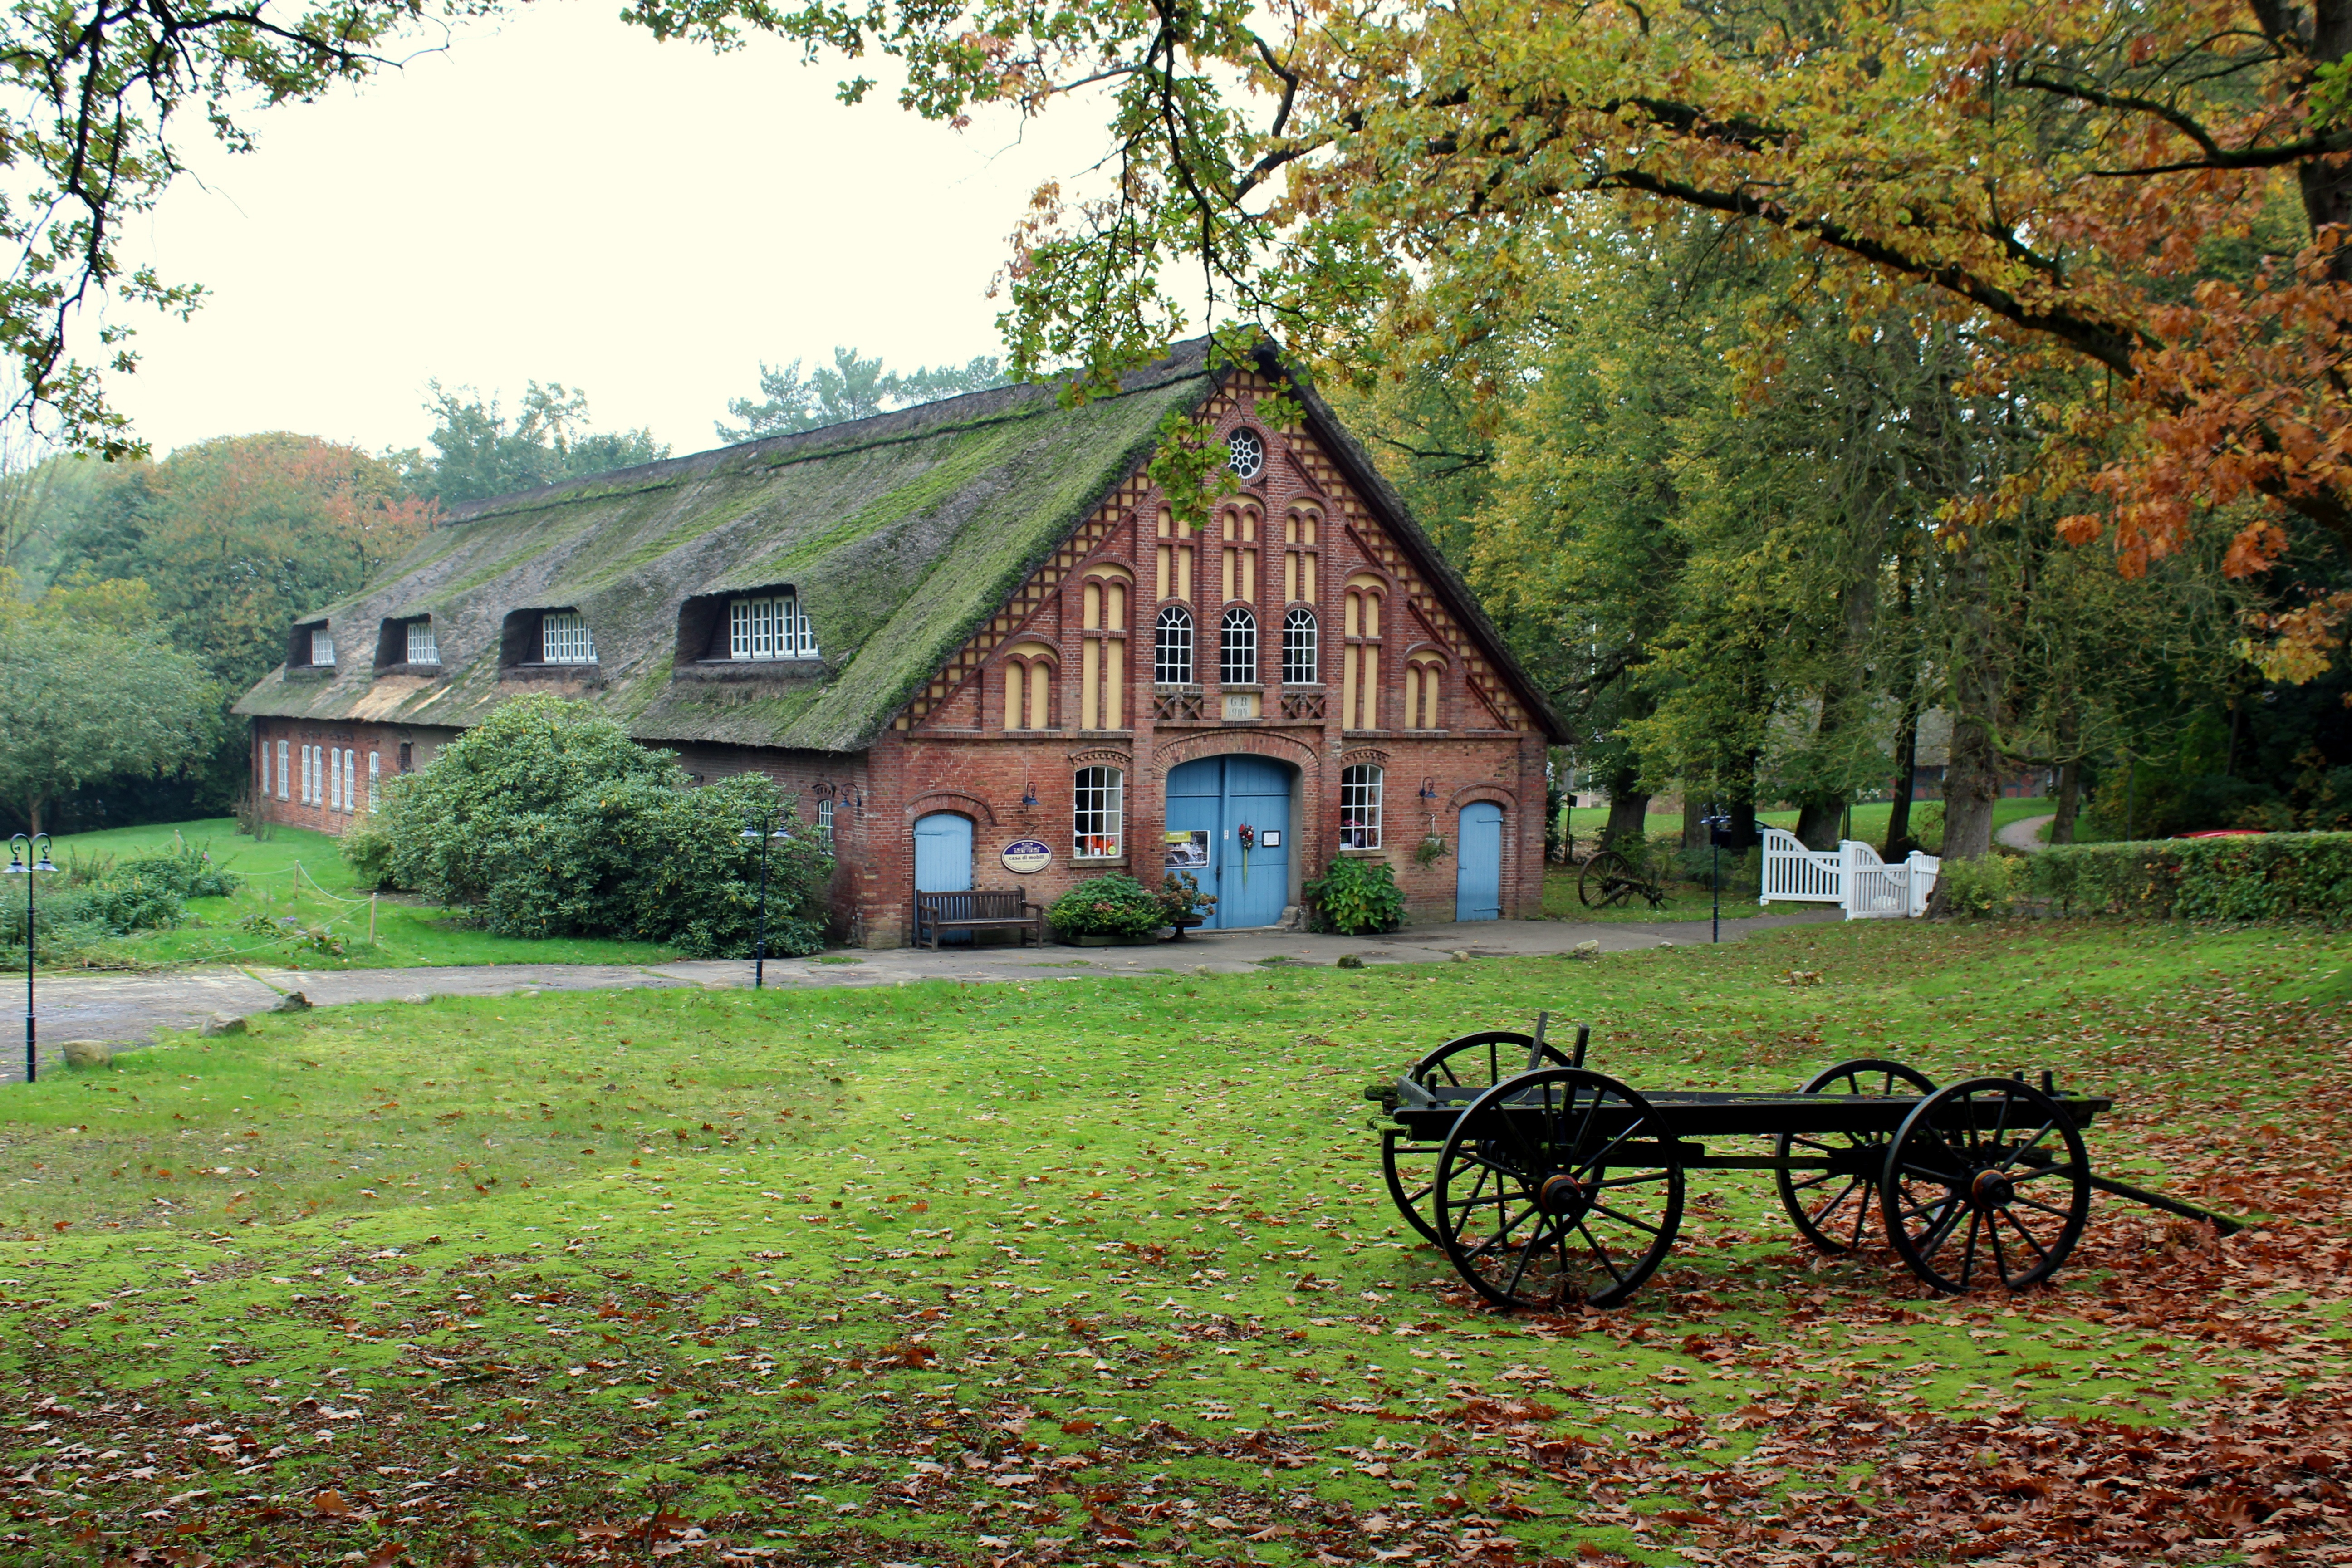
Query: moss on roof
902	534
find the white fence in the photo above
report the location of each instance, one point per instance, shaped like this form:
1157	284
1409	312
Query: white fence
1852	877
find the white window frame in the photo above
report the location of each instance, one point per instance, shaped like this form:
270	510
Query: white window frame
351	781
303	793
564	638
322	648
374	759
1360	799
770	627
281	770
1246	454
265	769
825	822
1237	646
1300	663
334	778
1172	632
1098	813
423	648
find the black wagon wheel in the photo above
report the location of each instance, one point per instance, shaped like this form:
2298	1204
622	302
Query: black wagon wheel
1474	1062
1606	882
1555	1188
1986	1180
1829	1208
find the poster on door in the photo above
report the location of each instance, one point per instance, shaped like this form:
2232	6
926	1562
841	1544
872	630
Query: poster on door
1188	851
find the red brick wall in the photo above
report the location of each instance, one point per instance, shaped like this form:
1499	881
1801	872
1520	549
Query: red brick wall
360	739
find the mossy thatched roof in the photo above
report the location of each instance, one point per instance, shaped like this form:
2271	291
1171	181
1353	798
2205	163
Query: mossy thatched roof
902	534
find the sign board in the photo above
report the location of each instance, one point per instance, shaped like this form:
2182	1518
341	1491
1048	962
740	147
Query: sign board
1024	856
1188	851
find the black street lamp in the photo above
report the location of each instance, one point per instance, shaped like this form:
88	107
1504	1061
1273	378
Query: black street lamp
28	856
1717	822
761	831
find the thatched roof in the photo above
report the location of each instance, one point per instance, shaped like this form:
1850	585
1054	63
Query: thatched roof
902	535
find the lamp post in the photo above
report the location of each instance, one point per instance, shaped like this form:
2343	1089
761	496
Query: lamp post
27	857
760	831
1714	821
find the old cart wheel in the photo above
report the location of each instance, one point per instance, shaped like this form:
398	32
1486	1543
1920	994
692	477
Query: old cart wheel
1607	880
1986	1180
1830	1207
1476	1062
1556	1187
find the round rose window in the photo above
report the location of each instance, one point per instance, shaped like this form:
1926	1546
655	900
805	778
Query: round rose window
1245	452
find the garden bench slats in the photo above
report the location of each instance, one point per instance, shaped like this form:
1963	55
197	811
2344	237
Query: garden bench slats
976	910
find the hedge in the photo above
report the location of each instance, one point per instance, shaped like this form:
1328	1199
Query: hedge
2279	876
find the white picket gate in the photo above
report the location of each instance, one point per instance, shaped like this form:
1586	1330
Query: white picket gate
1852	877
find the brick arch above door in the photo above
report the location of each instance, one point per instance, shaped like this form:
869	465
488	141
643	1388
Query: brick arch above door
1503	797
1227	742
953	800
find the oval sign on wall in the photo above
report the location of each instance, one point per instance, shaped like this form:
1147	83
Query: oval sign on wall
1026	855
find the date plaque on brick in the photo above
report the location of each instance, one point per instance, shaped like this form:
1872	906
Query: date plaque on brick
1026	855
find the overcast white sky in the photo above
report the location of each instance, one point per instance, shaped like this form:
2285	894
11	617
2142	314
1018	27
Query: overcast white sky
564	198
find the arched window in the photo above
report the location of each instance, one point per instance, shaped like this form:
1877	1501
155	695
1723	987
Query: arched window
1102	648
1172	648
1028	686
1237	648
1099	795
1299	667
1423	677
1245	453
1359	660
1359	807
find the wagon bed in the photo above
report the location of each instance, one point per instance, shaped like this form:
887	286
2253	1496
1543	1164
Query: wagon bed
1546	1183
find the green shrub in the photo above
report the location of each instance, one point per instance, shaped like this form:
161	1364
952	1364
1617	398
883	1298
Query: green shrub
1116	906
548	820
2278	876
1356	897
1977	888
366	848
89	903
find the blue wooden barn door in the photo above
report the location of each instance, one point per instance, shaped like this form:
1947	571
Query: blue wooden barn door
1218	796
943	859
1478	863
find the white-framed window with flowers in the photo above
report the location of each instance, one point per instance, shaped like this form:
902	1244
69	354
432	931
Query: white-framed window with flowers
1360	806
1100	815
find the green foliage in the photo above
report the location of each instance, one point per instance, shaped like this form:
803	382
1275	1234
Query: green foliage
1180	897
366	848
92	902
548	820
1356	896
86	702
483	453
850	389
1116	905
1988	885
2277	876
1189	465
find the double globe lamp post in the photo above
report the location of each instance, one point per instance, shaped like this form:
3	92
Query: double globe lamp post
27	857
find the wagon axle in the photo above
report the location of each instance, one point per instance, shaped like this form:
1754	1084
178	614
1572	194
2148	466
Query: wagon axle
1547	1184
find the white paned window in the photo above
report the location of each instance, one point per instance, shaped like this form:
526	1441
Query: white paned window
1298	666
421	646
373	757
265	769
334	778
825	822
773	626
1101	810
1237	647
282	785
1359	807
322	647
351	781
1172	648
303	795
563	638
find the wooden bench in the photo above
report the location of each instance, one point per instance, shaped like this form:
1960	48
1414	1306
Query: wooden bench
937	912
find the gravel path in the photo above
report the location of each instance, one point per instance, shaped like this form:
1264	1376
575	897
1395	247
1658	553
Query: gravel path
2026	834
127	1009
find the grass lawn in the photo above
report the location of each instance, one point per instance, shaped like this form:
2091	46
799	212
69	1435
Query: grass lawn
1102	1271
299	875
1869	820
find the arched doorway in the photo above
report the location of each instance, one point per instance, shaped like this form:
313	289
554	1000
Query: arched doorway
1478	863
1214	798
943	859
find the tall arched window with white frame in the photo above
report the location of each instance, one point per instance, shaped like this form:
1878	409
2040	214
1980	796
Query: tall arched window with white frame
1237	647
1299	662
1100	816
1172	648
1360	806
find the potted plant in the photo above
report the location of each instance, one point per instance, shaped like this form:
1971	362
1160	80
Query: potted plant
1106	911
1183	903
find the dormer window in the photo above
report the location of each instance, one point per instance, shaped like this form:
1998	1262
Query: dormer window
564	638
770	627
310	647
421	649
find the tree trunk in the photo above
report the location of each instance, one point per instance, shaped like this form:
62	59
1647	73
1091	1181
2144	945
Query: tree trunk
1819	822
1971	785
1906	767
1629	810
2070	776
1694	831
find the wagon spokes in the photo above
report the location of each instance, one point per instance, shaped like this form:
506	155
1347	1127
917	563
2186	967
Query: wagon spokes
1964	1153
1837	1225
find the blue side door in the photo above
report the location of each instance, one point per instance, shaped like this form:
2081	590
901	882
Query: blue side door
943	859
1219	796
1478	863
